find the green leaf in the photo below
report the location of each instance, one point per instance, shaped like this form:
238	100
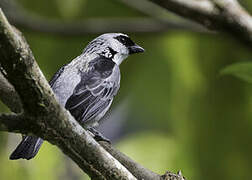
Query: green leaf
241	70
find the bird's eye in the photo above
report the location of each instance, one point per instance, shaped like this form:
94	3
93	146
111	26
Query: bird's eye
125	40
122	40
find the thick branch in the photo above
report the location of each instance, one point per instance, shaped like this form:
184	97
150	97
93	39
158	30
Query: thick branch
44	116
222	15
136	169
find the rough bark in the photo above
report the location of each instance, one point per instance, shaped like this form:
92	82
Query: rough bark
42	116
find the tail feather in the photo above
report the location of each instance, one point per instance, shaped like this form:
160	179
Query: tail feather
28	148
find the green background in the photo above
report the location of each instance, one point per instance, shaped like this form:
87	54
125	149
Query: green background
183	114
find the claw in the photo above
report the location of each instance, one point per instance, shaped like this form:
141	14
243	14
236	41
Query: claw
98	136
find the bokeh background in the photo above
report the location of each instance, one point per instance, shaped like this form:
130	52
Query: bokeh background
174	111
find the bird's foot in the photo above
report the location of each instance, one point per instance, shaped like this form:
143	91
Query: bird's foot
98	136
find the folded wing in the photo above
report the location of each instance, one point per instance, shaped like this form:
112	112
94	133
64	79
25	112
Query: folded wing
94	94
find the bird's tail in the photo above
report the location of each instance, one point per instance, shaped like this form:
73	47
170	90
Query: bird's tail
27	149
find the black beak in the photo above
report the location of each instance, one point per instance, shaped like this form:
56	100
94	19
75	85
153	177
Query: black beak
135	49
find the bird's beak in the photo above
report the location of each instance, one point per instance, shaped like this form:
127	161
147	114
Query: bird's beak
135	49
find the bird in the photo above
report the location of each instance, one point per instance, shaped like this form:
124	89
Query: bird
86	86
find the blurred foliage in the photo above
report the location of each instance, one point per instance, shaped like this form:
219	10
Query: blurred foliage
241	70
183	114
70	9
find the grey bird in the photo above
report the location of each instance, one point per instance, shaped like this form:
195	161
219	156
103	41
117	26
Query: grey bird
86	86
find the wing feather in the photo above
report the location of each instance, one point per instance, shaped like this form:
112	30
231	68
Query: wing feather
94	94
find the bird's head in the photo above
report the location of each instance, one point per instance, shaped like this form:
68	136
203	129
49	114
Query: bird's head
116	46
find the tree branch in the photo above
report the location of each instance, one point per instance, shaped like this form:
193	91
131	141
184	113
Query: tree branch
135	168
7	91
13	123
92	26
222	15
45	118
162	16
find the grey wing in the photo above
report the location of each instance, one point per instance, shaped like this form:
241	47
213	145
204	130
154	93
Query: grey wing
93	95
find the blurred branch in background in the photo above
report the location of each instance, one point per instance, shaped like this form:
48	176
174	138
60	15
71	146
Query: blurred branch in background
161	15
21	18
222	15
